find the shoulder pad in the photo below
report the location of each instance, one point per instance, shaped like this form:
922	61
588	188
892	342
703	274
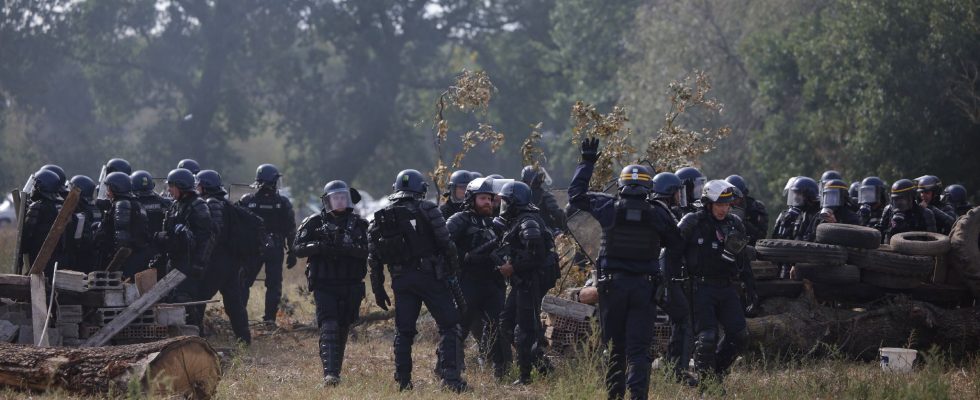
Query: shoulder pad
315	218
427	205
689	221
199	205
530	229
122	204
285	200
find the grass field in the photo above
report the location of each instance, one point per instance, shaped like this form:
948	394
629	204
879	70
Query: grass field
285	365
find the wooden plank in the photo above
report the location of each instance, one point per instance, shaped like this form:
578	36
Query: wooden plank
572	309
147	300
20	204
117	261
57	229
39	308
145	280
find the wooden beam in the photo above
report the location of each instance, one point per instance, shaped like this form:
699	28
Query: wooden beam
136	309
57	229
117	261
39	308
20	204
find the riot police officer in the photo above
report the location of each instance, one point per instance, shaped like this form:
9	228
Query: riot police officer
483	287
799	221
853	192
156	206
903	214
525	259
113	165
872	197
62	178
336	244
536	177
930	190
668	193
223	272
756	218
633	231
118	165
955	195
124	226
410	237
189	165
45	203
455	193
693	183
280	223
80	247
186	239
713	244
835	203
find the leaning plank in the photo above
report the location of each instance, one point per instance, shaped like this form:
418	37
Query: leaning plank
20	205
567	308
39	308
57	229
183	366
136	309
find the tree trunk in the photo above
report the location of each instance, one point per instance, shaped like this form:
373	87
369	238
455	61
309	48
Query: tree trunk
802	325
185	365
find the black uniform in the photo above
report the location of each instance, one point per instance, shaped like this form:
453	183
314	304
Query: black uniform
280	224
39	218
633	232
187	242
944	214
894	222
552	214
410	237
756	219
715	298
449	208
81	252
336	245
223	272
483	286
869	216
125	225
802	227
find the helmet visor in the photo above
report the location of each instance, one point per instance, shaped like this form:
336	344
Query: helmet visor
457	193
795	199
337	201
699	185
681	197
868	194
830	198
901	203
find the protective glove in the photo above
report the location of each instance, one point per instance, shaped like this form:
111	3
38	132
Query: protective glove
590	150
898	218
381	297
290	261
865	210
752	303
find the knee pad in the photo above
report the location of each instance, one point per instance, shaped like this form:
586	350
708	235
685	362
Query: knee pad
708	339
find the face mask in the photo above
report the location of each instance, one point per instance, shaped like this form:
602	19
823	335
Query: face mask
901	203
868	195
794	199
336	201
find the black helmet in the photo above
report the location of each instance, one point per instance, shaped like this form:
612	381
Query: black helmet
834	194
693	180
830	175
181	179
189	165
62	178
635	180
929	183
410	180
458	179
955	194
85	184
902	194
872	191
852	191
479	186
515	196
804	191
739	183
535	176
267	175
336	196
119	183
718	191
142	181
474	175
668	185
118	165
47	182
210	181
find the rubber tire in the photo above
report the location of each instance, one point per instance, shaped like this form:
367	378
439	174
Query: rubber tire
778	288
920	243
764	270
848	235
964	254
796	251
889	281
941	294
896	264
852	293
822	273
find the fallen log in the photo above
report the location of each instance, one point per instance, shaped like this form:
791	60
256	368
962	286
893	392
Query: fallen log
186	366
804	326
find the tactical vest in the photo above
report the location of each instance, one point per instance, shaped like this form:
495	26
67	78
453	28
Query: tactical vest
405	234
704	250
632	235
155	212
273	210
341	233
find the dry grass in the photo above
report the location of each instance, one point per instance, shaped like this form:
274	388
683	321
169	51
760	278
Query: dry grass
285	365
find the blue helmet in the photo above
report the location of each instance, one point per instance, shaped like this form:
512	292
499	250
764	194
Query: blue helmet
955	194
267	175
85	184
210	181
739	183
410	180
142	181
181	179
189	165
119	183
635	180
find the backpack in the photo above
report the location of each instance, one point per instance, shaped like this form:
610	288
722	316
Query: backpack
245	232
403	235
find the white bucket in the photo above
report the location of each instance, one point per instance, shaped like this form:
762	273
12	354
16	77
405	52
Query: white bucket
895	359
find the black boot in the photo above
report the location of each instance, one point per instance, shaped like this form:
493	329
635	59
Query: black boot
331	355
